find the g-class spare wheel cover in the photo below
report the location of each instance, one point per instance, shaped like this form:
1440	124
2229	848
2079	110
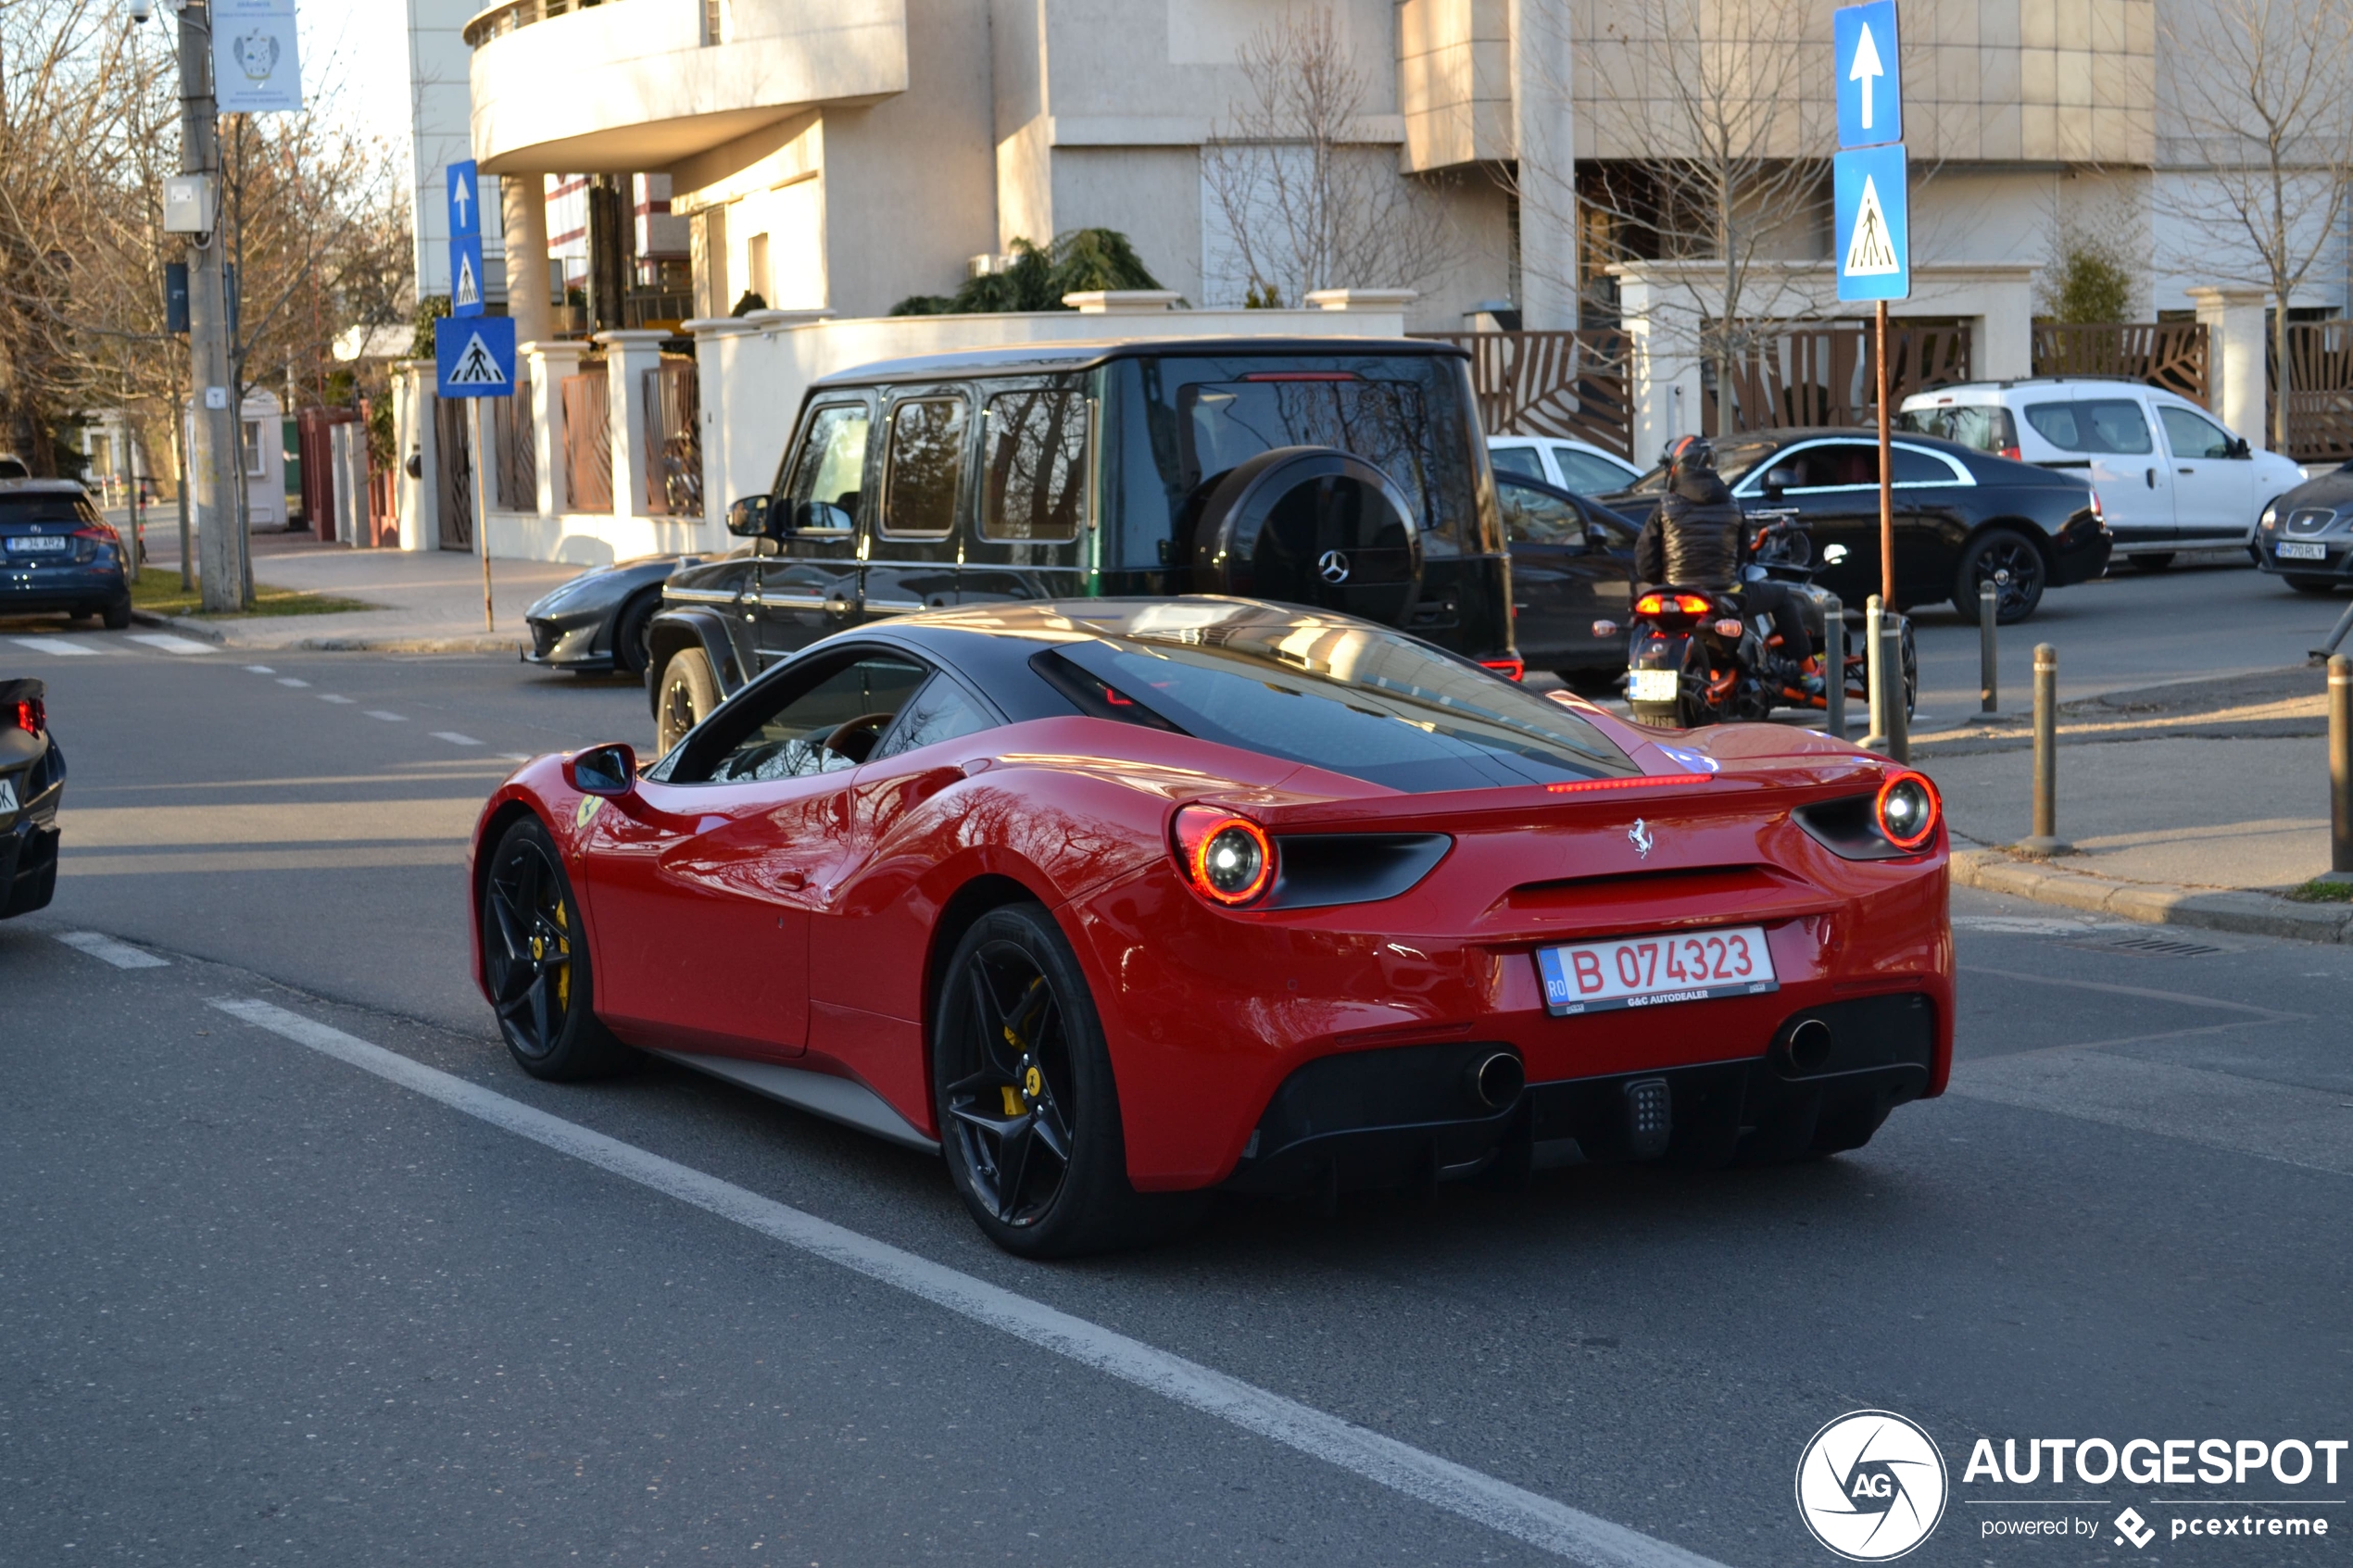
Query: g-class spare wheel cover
1311	525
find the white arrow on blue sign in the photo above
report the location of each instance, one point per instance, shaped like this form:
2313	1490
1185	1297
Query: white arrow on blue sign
1871	197
465	197
474	358
1870	75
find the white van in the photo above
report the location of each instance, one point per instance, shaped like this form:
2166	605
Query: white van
2170	476
1578	466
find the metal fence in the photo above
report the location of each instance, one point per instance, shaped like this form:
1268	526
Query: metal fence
673	438
2173	354
588	442
1821	373
1572	385
518	459
2320	391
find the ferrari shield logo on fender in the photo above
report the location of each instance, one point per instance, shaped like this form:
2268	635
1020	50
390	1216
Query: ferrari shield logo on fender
1639	836
1332	566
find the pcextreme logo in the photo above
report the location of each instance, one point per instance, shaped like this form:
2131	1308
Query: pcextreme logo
1872	1485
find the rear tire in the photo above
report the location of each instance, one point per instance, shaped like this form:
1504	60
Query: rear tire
685	698
1028	1106
2303	583
116	617
2157	561
534	956
2012	563
631	653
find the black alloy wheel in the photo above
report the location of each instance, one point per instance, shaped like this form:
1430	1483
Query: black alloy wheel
536	961
2010	562
1022	1085
688	692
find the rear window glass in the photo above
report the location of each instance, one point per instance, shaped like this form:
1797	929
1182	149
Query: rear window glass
1985	426
2095	424
55	508
1337	693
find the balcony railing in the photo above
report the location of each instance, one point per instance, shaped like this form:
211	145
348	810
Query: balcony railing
516	15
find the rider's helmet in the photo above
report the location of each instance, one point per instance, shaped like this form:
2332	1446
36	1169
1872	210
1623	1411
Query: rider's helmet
1689	454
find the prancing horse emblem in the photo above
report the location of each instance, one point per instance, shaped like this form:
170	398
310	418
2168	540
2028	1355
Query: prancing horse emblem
1639	836
1332	566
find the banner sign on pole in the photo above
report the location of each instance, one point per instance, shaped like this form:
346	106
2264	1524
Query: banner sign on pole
257	67
475	357
1871	195
465	275
1868	73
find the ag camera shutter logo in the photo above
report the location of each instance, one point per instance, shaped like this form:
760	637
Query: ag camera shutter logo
1872	1485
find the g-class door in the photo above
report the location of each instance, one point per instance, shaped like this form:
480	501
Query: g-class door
809	589
1034	482
912	536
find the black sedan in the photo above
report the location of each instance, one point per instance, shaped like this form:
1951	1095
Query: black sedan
594	624
59	554
2307	534
33	780
1572	566
1963	518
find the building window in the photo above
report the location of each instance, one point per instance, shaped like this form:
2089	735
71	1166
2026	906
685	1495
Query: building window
756	265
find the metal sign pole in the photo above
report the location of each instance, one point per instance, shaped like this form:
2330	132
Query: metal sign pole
482	504
1886	478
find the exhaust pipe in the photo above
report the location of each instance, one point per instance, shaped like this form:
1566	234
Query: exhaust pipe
1494	1081
1807	1048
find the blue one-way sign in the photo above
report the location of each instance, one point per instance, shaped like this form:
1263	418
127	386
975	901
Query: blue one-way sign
465	195
1871	193
475	357
1869	74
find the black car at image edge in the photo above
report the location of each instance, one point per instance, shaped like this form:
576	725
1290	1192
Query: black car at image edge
33	780
2306	536
1963	518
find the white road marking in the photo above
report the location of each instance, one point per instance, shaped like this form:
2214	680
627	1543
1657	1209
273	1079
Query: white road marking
330	697
169	642
1482	1499
290	681
454	738
122	955
260	669
54	644
388	718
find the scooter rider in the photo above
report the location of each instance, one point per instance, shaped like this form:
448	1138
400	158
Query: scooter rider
1698	538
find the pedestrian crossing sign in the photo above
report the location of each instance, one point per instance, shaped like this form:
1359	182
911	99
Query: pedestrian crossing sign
474	358
1871	191
465	275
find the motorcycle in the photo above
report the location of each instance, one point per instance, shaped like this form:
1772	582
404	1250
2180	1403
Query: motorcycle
1696	656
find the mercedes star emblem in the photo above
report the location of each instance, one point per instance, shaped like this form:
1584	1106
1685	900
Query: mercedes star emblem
1332	567
1639	836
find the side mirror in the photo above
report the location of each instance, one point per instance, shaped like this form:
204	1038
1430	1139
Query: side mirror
1778	479
2239	447
1833	555
1596	536
608	769
747	518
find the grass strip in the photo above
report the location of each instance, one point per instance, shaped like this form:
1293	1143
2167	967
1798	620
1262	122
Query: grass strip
158	591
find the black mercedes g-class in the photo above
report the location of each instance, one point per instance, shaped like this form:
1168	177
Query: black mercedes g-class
1347	474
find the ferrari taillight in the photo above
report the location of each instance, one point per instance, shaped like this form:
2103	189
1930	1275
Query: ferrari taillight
32	716
1907	810
1509	668
1228	860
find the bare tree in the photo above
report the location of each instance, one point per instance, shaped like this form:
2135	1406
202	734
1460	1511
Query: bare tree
2263	90
1306	200
1694	151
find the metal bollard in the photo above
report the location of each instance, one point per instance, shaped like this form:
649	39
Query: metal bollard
2045	839
1877	737
1898	722
1989	699
1834	667
2340	767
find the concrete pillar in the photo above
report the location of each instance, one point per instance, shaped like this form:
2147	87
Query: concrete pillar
1544	141
2234	376
716	340
551	363
412	440
2002	339
523	203
629	354
1663	376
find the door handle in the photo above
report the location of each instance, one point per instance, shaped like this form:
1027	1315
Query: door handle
2150	475
2185	470
791	880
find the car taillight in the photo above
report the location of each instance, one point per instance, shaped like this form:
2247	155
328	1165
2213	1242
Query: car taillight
102	531
2013	453
1907	810
1509	668
1228	860
32	716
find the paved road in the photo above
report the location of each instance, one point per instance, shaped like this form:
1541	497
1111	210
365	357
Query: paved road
265	1296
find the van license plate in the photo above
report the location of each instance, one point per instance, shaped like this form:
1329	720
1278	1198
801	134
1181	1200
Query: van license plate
2293	550
1647	972
1655	686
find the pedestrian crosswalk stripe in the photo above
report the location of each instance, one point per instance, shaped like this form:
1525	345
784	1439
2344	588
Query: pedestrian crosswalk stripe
170	644
122	955
54	645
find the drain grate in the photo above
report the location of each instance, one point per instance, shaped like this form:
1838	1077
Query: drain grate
2155	946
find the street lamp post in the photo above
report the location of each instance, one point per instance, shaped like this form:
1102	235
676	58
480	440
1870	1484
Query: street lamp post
214	464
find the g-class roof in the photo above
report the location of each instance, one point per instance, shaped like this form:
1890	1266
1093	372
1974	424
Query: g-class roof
1053	358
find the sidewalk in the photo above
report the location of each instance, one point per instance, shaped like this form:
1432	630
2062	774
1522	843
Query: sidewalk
2197	803
431	601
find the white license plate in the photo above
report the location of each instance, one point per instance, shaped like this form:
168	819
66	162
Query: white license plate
2290	549
37	543
1648	971
1655	686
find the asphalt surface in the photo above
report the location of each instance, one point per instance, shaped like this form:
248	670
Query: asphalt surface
261	1303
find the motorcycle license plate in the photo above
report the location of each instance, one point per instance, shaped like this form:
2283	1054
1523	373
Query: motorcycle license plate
1648	971
2292	551
1655	686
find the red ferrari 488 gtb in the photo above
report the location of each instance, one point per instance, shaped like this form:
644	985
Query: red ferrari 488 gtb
1113	902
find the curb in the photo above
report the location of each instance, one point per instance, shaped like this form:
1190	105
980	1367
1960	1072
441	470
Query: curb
181	624
2151	903
186	627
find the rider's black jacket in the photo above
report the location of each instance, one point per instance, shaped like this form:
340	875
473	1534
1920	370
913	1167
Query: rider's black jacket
1697	538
